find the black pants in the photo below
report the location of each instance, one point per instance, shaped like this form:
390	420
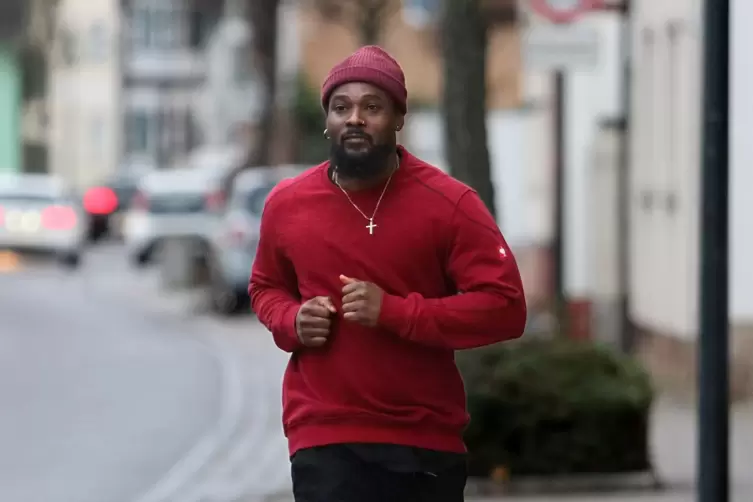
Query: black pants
334	474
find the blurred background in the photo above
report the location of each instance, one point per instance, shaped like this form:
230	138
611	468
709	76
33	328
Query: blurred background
140	138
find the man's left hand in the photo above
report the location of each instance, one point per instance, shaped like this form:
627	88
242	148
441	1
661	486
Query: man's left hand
362	301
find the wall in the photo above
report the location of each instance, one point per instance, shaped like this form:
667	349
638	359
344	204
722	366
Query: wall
591	95
741	160
665	168
85	125
10	104
666	188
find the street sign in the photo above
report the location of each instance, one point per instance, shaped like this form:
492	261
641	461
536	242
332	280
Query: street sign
554	36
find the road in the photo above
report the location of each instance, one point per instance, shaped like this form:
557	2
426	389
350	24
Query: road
113	390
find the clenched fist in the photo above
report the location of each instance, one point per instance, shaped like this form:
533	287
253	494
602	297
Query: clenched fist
362	301
314	321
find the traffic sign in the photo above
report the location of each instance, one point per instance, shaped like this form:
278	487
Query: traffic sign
556	38
563	11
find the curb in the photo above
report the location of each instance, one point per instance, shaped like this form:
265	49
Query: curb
204	450
560	485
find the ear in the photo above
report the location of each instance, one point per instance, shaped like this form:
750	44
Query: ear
400	123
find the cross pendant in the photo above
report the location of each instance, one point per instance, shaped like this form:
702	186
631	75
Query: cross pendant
371	227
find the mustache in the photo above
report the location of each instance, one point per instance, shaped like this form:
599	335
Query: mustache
355	133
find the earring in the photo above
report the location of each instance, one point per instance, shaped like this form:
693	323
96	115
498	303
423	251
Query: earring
326	135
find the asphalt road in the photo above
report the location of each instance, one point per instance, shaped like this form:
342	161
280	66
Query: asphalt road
113	390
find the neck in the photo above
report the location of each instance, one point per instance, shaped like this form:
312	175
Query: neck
355	184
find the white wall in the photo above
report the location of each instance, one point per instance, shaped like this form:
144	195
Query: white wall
590	95
665	154
84	98
514	193
741	160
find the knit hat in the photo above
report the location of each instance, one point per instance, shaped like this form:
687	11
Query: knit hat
373	65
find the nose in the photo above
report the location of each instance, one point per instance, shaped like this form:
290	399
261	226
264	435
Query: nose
355	120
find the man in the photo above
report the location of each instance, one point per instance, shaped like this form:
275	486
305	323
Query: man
372	269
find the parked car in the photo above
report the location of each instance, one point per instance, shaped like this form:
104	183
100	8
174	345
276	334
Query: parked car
39	214
105	204
171	203
232	247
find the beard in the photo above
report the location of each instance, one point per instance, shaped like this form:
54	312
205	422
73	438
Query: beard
360	165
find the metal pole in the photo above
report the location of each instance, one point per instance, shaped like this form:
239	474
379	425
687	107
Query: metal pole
558	245
713	443
626	333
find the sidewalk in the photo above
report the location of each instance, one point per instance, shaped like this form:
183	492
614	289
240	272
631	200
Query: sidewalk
674	440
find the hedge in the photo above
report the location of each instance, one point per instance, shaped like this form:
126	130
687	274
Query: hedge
548	407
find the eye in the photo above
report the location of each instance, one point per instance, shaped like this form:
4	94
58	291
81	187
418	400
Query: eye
338	108
372	107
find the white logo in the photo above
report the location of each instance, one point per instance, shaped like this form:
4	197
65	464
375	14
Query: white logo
502	252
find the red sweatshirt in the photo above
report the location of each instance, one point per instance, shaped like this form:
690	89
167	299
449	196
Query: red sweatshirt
396	383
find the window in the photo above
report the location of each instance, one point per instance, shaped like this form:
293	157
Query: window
138	127
158	26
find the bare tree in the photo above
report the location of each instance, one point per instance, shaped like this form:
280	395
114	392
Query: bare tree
464	40
367	17
263	17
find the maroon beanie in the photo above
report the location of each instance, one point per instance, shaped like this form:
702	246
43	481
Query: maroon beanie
373	65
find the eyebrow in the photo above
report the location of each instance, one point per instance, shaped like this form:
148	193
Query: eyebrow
349	98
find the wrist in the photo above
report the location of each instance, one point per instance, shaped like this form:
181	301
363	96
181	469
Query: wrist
393	313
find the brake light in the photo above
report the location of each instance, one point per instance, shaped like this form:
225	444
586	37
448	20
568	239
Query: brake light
140	202
59	218
100	200
215	201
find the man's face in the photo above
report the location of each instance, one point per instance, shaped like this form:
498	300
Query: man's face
361	121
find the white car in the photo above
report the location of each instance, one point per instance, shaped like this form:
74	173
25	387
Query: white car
171	203
39	214
178	202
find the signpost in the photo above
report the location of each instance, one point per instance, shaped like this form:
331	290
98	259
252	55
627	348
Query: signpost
555	40
713	347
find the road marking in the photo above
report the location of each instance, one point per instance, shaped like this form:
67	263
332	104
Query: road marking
205	449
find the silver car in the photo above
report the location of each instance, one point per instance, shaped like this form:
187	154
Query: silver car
39	214
233	245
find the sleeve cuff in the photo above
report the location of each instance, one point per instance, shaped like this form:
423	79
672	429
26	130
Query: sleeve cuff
393	314
291	334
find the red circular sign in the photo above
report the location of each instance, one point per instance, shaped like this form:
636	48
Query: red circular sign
561	12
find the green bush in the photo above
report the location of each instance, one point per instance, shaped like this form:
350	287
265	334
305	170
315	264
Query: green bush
545	407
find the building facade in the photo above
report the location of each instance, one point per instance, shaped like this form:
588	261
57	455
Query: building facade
123	79
666	187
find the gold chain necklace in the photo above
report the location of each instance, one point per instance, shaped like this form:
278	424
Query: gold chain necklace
371	226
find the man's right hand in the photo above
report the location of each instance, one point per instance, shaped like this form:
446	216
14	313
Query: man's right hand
314	321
